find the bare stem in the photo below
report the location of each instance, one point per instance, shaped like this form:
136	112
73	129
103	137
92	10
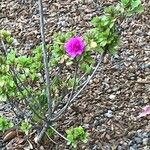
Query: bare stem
74	84
16	79
73	88
20	115
80	90
45	60
42	134
58	133
50	138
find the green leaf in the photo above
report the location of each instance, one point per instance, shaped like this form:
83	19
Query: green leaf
9	40
74	135
139	9
11	83
135	3
99	50
11	56
125	2
27	71
5	124
2	60
34	76
22	60
4	33
2	83
25	126
103	43
50	132
3	98
104	20
86	67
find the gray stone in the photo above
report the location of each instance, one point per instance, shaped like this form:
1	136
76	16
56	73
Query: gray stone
140	134
109	114
145	135
138	140
145	141
112	96
134	147
95	147
119	147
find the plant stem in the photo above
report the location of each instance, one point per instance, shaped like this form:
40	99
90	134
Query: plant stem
80	90
45	60
20	115
42	134
73	88
16	78
58	133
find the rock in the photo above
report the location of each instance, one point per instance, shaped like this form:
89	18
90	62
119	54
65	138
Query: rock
145	135
112	96
109	114
119	147
87	119
145	141
138	140
134	147
95	147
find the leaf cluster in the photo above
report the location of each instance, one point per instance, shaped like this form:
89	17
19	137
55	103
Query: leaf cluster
132	6
104	33
6	36
25	126
5	124
75	135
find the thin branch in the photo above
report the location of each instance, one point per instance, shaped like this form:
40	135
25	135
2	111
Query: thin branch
74	84
40	137
80	90
26	101
4	48
64	96
45	60
13	109
15	77
70	94
73	89
50	138
41	134
59	133
82	77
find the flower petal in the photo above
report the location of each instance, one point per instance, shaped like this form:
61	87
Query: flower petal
146	111
75	46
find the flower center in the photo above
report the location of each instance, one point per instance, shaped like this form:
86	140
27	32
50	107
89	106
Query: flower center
76	47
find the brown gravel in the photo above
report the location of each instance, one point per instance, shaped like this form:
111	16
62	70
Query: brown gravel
109	107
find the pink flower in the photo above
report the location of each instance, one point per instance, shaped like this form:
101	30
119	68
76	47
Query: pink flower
146	111
75	46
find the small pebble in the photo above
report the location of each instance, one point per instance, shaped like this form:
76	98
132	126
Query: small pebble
109	114
145	141
112	96
138	140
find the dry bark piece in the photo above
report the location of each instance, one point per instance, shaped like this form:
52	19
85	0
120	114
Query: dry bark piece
11	133
143	81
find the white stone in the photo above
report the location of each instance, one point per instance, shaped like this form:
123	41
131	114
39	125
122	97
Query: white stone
112	96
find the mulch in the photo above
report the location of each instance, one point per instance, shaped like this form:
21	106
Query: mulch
109	106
